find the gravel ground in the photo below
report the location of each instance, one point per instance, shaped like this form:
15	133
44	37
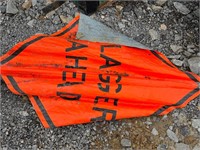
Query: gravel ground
171	27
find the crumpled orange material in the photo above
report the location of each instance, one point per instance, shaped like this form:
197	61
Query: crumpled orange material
71	81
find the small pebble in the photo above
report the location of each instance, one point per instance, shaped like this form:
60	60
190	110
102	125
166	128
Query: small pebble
182	146
154	131
177	62
181	8
27	4
176	48
172	135
154	34
126	143
163	27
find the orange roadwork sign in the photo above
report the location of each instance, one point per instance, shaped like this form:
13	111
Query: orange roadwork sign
70	81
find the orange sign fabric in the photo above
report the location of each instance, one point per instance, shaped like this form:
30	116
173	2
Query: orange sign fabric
70	81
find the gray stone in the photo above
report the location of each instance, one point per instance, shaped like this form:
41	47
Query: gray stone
177	62
34	147
11	7
126	143
174	56
121	25
23	113
31	23
194	64
154	34
3	9
184	130
154	131
172	135
191	48
196	12
176	48
160	2
196	123
50	14
182	146
34	2
28	18
162	147
181	8
187	54
156	8
177	37
56	20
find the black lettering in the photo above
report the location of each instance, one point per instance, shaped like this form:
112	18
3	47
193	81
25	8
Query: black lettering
118	79
105	111
75	46
107	80
69	96
76	62
108	60
69	84
104	89
74	74
64	75
83	76
118	88
106	99
110	46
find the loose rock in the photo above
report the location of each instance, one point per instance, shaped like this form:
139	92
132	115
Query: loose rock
187	54
177	62
176	48
181	8
177	37
194	64
162	147
23	113
154	131
11	7
119	7
65	19
196	12
196	123
154	34
34	2
27	4
56	20
160	2
126	143
163	27
31	23
3	9
191	48
174	56
172	135
156	8
184	130
121	25
196	147
49	2
50	14
182	146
